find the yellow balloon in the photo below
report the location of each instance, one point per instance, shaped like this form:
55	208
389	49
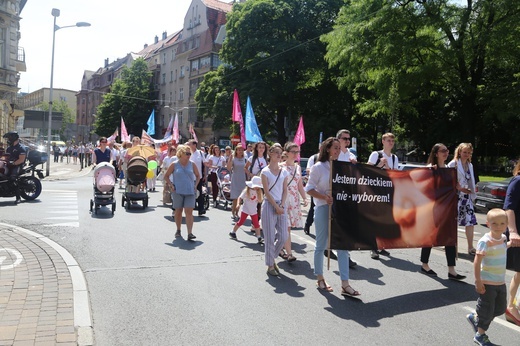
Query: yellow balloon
150	174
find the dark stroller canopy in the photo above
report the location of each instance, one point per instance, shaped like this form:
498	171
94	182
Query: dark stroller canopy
137	168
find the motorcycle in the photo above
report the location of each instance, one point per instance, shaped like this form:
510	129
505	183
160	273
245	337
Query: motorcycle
28	179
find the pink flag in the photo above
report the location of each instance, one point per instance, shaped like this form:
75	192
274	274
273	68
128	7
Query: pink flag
146	139
124	134
192	131
237	117
176	129
299	138
113	137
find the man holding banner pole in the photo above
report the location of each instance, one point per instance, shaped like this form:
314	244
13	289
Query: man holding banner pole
384	159
345	155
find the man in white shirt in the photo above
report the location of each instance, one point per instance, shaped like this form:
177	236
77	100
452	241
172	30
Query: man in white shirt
198	159
344	141
384	159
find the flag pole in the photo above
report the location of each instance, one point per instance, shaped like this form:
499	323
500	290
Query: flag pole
330	215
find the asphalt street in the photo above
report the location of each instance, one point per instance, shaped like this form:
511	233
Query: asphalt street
147	288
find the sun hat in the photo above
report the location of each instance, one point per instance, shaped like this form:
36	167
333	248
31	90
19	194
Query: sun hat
255	182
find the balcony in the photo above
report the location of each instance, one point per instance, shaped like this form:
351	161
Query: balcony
20	60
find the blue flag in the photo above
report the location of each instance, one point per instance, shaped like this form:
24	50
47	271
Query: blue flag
252	131
151	123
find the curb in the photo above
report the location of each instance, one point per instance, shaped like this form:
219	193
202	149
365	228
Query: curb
84	172
82	316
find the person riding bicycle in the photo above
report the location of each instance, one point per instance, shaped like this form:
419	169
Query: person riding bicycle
16	158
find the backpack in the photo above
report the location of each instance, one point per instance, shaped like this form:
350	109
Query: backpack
380	155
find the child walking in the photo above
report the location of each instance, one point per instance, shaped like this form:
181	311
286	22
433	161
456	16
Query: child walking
490	273
251	196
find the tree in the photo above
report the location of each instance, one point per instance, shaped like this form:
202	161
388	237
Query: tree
273	54
441	71
129	98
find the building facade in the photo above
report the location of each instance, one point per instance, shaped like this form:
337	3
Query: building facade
12	61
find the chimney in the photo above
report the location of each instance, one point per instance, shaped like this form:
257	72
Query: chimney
106	62
156	39
145	45
164	35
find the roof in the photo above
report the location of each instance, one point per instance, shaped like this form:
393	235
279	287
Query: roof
218	5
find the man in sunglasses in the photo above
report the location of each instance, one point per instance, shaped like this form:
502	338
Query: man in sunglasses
344	155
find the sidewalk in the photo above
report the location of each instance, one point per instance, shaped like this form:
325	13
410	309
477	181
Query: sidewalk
64	170
43	293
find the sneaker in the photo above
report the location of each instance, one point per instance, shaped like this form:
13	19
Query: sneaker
384	252
473	320
482	340
272	272
374	255
260	240
351	263
191	236
233	235
178	233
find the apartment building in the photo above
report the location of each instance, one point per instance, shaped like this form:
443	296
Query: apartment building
12	61
180	61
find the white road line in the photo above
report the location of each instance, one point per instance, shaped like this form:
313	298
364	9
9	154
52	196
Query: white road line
62	218
64	212
64	224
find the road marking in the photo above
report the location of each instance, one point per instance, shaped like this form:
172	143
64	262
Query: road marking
63	209
15	253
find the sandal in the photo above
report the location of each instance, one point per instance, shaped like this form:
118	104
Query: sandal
472	251
349	291
283	255
323	286
291	258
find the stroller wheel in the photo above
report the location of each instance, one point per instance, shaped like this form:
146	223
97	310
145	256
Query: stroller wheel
123	201
145	203
113	208
91	205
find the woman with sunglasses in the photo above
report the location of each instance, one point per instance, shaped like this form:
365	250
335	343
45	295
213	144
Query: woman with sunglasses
182	178
103	153
437	159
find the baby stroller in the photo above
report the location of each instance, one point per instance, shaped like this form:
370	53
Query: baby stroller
136	175
104	182
224	186
205	197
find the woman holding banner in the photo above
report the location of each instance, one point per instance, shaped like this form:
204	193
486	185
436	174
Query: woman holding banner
512	208
319	188
437	159
466	186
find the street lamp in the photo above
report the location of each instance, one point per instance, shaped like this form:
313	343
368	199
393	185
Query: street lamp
55	13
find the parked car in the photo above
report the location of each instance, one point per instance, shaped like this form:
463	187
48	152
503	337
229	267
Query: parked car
491	194
303	165
406	166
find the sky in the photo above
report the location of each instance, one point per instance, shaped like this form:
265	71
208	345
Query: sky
118	27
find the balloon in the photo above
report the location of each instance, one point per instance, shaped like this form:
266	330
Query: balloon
150	174
152	164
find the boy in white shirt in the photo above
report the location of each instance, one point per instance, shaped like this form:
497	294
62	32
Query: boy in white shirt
384	159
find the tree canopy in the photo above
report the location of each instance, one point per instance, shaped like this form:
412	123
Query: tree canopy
129	98
436	70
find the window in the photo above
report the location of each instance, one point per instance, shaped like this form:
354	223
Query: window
182	72
171	76
204	62
164	58
181	94
194	65
216	61
163	78
173	53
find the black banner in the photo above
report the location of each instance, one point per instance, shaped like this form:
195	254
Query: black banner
375	208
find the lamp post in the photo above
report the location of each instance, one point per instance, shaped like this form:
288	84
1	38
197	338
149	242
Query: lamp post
55	13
